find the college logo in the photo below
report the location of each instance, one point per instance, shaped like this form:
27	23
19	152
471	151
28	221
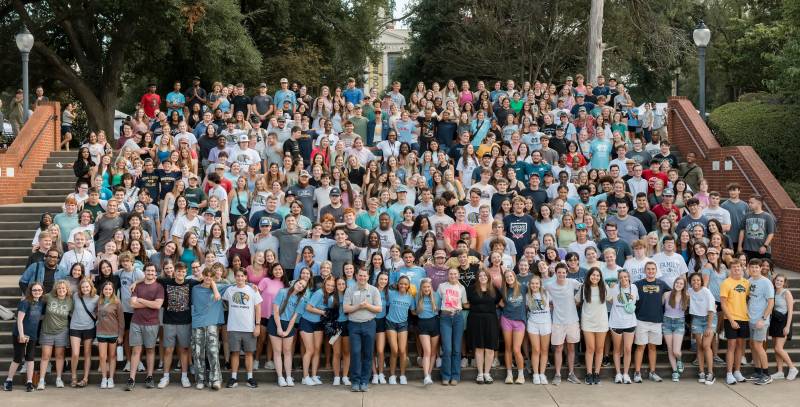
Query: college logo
518	229
739	289
240	298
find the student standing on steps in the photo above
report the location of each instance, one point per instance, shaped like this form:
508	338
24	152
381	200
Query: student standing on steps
24	334
703	312
146	301
759	310
733	294
649	318
780	326
361	303
244	317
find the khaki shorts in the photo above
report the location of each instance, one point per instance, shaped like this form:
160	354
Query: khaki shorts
569	332
648	333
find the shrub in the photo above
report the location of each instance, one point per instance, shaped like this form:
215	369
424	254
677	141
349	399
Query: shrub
769	128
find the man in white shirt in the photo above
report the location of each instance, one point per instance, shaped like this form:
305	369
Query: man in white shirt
244	155
183	134
390	146
637	184
189	223
670	264
473	207
715	211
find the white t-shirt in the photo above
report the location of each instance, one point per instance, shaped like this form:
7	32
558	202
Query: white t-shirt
389	149
245	157
453	296
473	213
438	225
183	225
538	308
189	137
563	298
242	304
636	268
670	267
619	319
719	213
701	302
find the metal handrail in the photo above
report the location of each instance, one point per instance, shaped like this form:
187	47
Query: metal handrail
689	132
36	139
749	181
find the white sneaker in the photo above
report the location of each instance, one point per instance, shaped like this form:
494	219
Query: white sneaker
307	381
403	380
199	385
185	382
419	361
509	378
464	363
778	376
738	376
520	377
536	379
495	363
346	381
730	379
427	381
792	373
316	380
626	379
110	383
337	381
374	379
127	367
281	381
744	360
59	383
140	368
104	383
392	379
438	362
40	386
543	379
290	381
618	378
256	365
164	382
381	378
270	365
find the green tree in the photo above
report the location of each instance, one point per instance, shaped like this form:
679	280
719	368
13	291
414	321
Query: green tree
94	47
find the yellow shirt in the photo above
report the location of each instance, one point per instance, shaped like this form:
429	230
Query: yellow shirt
735	292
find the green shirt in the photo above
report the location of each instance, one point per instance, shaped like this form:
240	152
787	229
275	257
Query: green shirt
195	195
56	315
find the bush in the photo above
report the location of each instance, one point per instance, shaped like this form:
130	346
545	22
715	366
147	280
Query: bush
793	189
769	128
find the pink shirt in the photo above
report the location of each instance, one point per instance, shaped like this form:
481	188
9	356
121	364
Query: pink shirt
269	289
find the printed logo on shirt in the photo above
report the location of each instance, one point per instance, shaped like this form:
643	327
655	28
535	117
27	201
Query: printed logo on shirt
240	298
740	289
518	229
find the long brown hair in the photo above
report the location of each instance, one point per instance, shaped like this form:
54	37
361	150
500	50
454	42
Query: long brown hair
684	294
586	292
290	292
489	286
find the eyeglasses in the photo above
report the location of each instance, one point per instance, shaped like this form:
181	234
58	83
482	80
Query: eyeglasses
36	290
51	257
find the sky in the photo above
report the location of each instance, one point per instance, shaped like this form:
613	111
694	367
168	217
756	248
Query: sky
400	8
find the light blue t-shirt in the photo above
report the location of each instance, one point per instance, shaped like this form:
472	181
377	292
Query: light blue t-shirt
206	311
175	97
514	308
761	291
414	273
399	304
601	153
427	306
405	130
295	305
384	305
317	301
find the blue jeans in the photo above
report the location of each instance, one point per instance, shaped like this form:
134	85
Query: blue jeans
362	342
451	330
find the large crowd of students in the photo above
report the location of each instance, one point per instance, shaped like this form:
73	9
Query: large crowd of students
505	226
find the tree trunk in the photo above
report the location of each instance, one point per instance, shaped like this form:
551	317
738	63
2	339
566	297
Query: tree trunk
594	60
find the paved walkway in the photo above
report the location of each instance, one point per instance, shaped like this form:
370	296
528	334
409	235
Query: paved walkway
684	394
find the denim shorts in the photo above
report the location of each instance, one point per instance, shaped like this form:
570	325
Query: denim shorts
673	326
310	327
700	324
429	326
397	326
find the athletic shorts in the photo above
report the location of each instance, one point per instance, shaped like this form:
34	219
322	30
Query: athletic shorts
507	325
569	332
648	333
58	340
177	334
757	334
241	341
107	339
143	335
742	333
428	326
620	331
380	325
397	326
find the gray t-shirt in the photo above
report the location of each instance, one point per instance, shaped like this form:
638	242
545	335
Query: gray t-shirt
737	211
262	103
82	320
756	229
629	229
761	291
355	296
563	298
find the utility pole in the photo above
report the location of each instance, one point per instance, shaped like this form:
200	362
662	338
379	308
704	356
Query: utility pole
594	59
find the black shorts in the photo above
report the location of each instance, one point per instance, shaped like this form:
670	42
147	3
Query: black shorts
265	322
429	326
620	331
83	334
310	327
742	333
776	324
107	339
380	325
128	318
273	329
23	351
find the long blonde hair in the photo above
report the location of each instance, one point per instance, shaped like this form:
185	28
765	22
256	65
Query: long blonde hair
421	296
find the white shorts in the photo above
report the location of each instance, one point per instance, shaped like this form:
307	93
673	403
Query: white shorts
539	328
648	333
570	332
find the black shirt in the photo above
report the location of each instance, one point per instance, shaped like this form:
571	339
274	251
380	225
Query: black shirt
240	104
177	301
481	304
648	219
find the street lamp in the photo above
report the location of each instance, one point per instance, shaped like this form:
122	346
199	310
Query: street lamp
701	36
25	44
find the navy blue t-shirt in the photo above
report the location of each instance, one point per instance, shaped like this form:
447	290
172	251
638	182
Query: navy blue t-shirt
521	230
650	306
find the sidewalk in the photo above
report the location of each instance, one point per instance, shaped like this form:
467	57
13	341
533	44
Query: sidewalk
685	394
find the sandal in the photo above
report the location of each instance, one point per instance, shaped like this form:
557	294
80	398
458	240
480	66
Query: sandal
83	383
73	384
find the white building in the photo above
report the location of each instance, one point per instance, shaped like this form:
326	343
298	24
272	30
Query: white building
392	43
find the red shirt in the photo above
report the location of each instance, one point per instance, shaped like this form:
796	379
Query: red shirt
651	176
150	102
660	211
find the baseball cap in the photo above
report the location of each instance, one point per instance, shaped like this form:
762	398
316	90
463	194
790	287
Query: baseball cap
209	212
195	78
582	109
580	226
265	221
402	188
304	173
563	113
284	80
290	193
668	192
569	78
335	192
243	138
487	154
262	85
579	95
281	119
193	205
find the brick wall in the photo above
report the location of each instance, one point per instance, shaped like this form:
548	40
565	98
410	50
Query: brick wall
740	164
45	120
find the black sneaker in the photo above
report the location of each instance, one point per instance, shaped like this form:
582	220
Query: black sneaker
29	387
8	385
588	379
596	378
231	383
131	384
251	383
149	383
606	361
